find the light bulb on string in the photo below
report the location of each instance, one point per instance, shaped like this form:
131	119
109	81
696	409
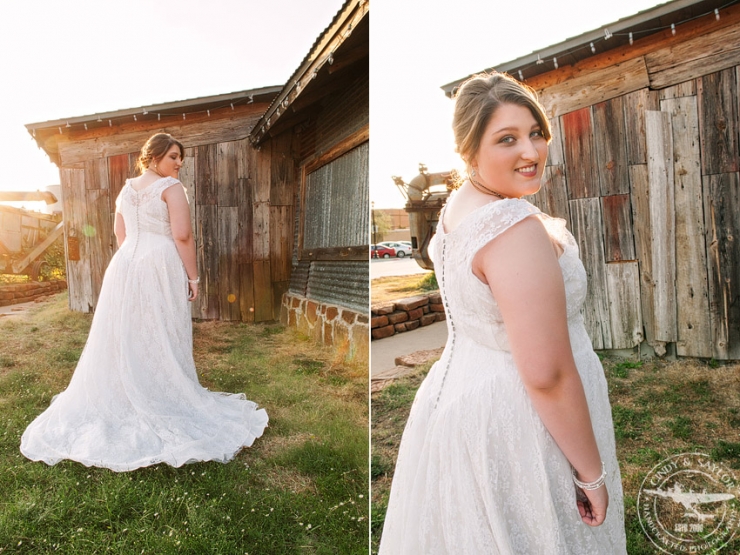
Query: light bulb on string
673	29
555	62
716	14
631	40
593	48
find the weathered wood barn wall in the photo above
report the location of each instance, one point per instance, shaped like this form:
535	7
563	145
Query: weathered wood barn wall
227	196
324	127
278	185
644	167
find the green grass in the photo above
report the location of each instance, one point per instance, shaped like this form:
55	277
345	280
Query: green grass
659	409
301	488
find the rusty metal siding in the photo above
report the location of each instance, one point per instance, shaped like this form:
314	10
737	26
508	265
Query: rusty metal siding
345	283
336	202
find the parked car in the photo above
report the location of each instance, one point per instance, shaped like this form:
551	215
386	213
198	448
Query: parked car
381	251
401	247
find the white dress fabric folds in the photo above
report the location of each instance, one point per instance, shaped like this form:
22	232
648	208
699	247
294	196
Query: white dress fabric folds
477	471
134	399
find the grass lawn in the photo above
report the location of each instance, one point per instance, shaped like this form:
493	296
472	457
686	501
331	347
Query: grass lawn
392	288
660	409
302	487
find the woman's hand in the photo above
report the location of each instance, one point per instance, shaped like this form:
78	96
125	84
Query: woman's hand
192	291
592	505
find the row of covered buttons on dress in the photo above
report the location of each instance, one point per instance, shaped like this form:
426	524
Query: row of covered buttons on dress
443	291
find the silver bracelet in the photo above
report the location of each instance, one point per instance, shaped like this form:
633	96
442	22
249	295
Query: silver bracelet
196	280
589	486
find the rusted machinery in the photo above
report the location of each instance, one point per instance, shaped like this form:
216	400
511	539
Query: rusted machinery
425	195
25	235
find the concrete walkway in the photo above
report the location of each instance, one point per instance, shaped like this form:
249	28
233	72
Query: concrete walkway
16	309
383	352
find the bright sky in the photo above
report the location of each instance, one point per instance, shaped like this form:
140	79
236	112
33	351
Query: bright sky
79	57
416	46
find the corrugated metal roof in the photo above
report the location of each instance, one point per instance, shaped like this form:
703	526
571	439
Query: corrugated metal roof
339	31
605	38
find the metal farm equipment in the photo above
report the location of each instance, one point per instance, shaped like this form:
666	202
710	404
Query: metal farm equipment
26	235
425	196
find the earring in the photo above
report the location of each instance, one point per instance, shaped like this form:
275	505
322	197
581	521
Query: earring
473	173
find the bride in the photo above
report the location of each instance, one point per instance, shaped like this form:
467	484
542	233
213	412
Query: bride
509	447
134	399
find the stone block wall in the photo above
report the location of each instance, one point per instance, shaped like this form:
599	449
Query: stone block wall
24	292
345	329
406	315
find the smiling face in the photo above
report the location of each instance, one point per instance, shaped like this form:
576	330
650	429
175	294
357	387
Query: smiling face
512	152
169	165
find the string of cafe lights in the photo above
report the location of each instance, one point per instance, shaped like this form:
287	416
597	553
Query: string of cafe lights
632	36
176	114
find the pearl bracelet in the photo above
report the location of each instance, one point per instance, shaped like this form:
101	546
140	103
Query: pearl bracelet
589	486
196	280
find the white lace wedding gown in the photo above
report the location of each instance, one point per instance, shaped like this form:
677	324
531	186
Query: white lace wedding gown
477	471
134	399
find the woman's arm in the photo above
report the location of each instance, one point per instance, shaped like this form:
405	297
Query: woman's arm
119	229
523	273
182	232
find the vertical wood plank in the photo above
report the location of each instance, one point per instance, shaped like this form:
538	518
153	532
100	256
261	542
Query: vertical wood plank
242	158
205	167
721	202
246	291
662	220
282	171
118	173
228	267
587	226
692	294
643	245
281	242
635	105
552	198
618	234
225	174
206	238
246	221
99	231
259	165
75	207
261	228
279	288
262	291
611	149
555	148
578	139
623	284
718	122
96	174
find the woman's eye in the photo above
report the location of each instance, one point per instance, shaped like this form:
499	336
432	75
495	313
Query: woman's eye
537	133
507	139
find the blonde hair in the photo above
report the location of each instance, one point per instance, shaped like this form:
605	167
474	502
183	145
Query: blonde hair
155	148
477	100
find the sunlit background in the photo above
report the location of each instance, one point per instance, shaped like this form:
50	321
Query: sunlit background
78	57
417	46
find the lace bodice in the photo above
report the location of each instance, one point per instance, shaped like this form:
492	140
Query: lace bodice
144	211
472	310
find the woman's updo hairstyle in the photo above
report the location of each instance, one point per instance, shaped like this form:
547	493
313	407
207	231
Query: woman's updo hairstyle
477	100
155	148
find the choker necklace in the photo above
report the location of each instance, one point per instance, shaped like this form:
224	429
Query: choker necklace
485	190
